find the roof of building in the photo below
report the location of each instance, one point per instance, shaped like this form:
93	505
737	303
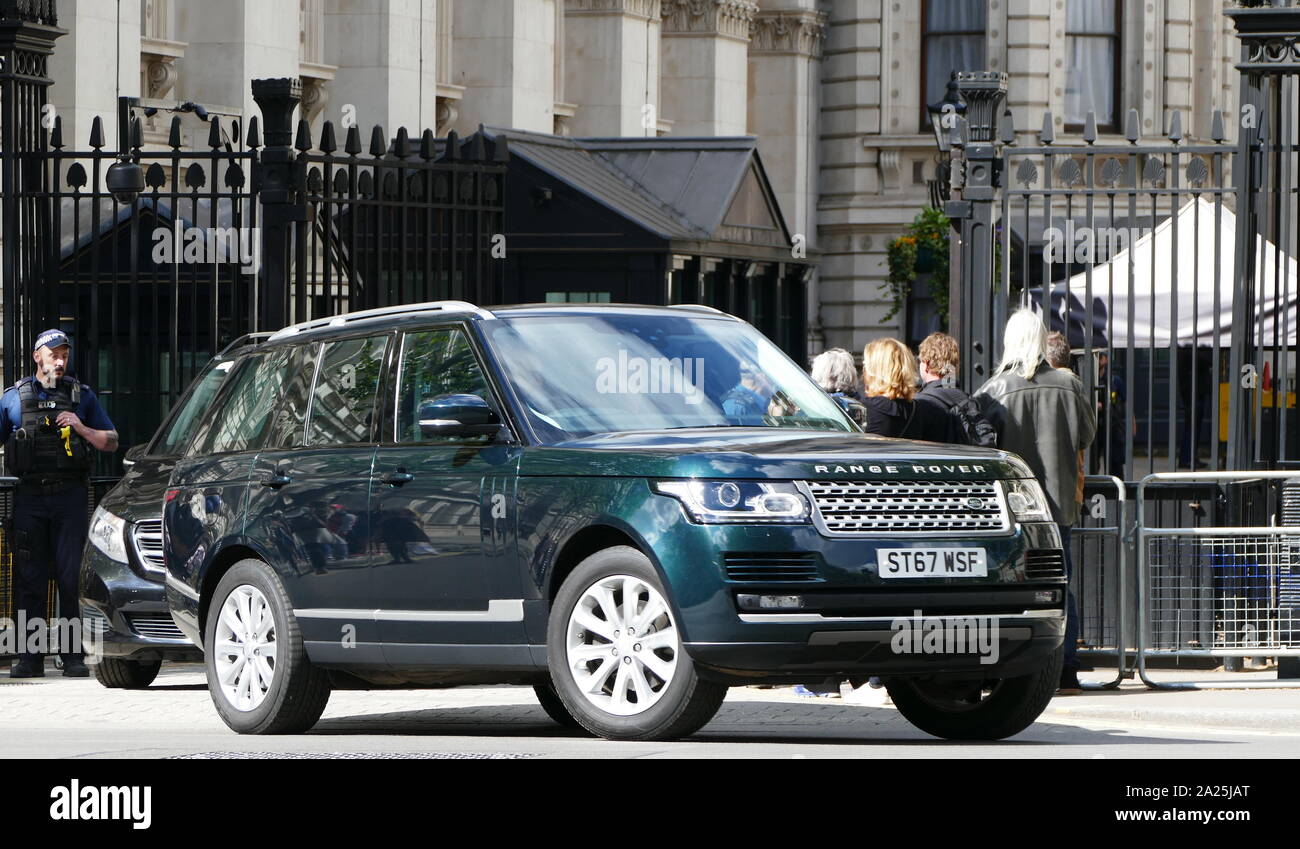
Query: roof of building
678	187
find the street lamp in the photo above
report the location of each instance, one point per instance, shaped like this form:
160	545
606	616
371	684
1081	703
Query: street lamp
952	104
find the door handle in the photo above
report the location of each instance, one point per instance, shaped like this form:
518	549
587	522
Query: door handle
399	478
276	480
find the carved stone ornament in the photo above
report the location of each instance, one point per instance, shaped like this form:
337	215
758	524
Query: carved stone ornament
714	17
801	33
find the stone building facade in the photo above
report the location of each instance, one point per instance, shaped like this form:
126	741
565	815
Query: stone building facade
834	90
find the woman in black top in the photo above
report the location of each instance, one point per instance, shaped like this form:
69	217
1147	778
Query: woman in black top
889	377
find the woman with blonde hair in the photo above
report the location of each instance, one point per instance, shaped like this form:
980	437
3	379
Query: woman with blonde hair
889	379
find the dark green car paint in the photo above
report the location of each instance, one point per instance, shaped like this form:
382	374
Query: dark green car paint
501	519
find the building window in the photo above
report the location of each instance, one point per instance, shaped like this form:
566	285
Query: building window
1092	34
953	39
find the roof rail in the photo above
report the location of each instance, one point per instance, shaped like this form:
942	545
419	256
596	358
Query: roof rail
399	309
701	308
245	339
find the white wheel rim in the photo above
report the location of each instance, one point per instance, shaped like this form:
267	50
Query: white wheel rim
622	645
244	648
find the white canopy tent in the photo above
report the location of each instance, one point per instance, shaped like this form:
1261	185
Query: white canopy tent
1180	295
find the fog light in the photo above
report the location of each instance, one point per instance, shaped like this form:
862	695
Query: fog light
769	602
1047	596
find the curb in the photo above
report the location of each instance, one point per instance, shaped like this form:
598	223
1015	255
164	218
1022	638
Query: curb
1249	720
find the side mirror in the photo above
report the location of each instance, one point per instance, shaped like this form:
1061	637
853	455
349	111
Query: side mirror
134	453
458	415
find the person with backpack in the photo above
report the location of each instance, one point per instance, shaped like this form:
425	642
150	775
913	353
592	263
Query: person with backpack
954	416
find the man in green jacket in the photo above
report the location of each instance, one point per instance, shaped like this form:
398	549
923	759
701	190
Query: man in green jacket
1044	415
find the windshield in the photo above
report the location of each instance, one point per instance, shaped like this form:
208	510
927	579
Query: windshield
579	375
173	440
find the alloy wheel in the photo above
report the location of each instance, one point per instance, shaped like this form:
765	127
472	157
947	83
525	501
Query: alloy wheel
244	650
622	646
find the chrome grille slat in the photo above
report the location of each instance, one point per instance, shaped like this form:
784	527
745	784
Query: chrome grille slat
148	538
868	507
156	625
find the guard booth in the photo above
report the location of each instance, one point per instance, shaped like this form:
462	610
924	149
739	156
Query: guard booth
653	221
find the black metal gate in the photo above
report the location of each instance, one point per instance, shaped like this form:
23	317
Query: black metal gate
154	267
1171	267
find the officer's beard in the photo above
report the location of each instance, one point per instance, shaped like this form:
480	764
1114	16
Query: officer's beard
48	378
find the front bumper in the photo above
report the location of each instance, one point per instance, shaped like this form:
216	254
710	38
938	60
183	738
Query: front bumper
848	620
129	612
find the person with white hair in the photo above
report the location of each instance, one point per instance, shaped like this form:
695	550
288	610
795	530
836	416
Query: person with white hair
835	372
1044	415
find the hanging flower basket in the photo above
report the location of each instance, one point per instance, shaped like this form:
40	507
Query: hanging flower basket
923	249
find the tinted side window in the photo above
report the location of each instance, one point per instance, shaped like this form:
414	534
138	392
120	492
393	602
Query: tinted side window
288	429
343	401
193	411
240	421
434	363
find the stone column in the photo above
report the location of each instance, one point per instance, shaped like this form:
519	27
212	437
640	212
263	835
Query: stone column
611	68
97	60
231	43
386	62
704	73
785	51
505	58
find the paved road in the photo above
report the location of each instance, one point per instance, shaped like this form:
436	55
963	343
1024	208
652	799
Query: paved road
63	718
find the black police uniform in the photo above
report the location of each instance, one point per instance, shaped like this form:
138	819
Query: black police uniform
50	519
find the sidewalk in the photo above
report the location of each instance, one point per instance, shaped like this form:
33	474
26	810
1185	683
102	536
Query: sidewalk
1260	710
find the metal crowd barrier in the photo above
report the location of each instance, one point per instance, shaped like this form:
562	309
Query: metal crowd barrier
1096	579
1226	592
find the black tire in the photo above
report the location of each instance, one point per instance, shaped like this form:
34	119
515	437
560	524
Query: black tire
683	706
299	691
554	706
957	710
116	673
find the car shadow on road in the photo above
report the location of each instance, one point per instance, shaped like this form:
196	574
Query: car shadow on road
748	722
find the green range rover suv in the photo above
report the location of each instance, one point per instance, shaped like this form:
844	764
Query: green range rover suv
628	508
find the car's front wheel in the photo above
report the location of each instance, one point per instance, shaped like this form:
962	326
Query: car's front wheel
616	655
259	676
118	674
962	709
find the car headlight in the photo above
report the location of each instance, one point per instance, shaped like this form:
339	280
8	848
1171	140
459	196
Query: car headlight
714	502
1026	501
108	534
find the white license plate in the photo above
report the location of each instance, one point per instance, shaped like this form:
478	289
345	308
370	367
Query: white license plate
932	563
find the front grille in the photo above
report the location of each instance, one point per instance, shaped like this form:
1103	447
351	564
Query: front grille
771	566
1043	563
149	544
158	626
871	507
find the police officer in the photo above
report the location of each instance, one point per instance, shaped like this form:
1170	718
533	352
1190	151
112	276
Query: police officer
49	423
